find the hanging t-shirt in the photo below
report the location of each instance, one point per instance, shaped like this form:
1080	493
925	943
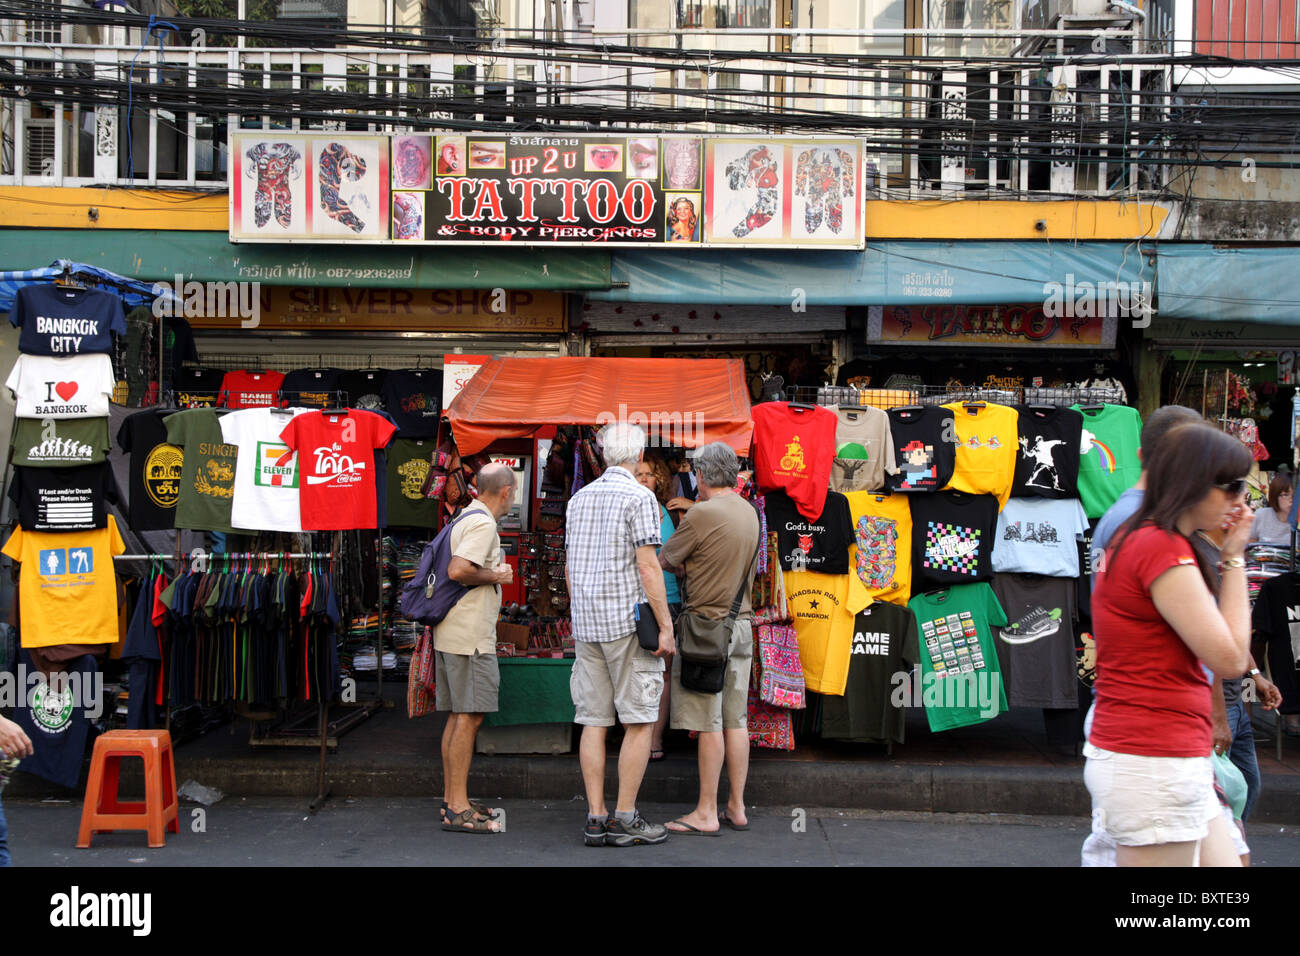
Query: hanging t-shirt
1037	649
266	470
336	458
51	443
364	388
311	387
1109	465
1276	620
793	449
198	387
157	470
924	449
884	645
55	717
67	589
961	682
63	499
987	442
863	448
408	469
952	539
1047	465
824	607
413	396
207	470
244	389
77	386
881	551
178	345
56	320
1040	536
821	545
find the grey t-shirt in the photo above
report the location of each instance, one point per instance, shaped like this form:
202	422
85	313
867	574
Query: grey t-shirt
1036	650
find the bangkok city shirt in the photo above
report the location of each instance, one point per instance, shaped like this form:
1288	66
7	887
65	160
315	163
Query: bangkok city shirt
336	461
65	321
77	386
266	470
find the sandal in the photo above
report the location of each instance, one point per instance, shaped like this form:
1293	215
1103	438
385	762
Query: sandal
480	809
656	755
470	822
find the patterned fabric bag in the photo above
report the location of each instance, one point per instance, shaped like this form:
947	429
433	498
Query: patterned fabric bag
770	728
778	669
420	695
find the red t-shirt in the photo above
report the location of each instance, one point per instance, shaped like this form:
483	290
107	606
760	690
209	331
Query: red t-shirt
251	389
1153	698
793	451
336	467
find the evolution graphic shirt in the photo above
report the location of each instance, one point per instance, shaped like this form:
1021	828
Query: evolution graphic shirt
52	443
987	444
821	545
961	681
77	386
952	539
884	644
1037	650
67	590
863	448
924	448
63	499
1047	463
207	470
266	470
881	550
156	470
793	450
336	459
1040	536
64	321
1109	465
824	607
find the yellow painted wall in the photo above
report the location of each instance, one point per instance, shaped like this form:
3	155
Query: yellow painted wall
53	207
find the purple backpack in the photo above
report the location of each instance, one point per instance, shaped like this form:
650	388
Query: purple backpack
431	594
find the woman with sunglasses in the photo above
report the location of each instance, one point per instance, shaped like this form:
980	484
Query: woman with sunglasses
1156	621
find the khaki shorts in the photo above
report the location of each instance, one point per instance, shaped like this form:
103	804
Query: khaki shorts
1140	801
467	683
726	710
615	676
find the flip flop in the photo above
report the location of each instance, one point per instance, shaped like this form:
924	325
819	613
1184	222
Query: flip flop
726	821
691	830
656	755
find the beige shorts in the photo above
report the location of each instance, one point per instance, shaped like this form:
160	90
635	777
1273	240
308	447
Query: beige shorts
615	676
726	710
467	683
1142	801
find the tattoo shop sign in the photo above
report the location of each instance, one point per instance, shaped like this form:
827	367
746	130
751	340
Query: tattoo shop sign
551	189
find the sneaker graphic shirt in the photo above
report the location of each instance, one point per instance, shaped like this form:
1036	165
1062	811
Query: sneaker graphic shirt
66	321
881	551
924	453
1037	649
1109	463
987	445
77	386
793	450
336	462
1047	462
824	607
266	470
961	681
952	539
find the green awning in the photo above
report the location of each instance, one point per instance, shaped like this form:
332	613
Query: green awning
210	257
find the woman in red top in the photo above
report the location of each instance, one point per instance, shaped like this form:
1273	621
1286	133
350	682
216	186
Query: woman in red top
1156	622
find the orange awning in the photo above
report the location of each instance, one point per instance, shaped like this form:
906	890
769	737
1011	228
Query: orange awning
680	402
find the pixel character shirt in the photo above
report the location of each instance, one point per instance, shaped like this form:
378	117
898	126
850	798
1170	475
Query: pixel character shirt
924	449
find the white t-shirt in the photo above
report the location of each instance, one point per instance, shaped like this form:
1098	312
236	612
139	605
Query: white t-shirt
74	386
266	481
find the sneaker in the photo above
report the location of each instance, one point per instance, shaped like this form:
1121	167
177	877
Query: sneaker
594	832
618	833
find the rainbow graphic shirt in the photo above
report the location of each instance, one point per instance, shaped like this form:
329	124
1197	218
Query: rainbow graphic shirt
1108	455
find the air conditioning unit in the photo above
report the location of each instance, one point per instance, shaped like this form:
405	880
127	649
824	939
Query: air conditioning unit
38	146
1041	14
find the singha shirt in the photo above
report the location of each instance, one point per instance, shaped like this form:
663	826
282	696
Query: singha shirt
207	470
881	550
1109	465
1040	536
961	681
266	470
77	386
156	468
336	460
824	607
987	436
793	451
821	545
53	443
924	442
952	539
1047	462
63	499
64	321
863	448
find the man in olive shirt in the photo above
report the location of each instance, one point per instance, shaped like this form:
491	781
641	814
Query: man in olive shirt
713	548
465	644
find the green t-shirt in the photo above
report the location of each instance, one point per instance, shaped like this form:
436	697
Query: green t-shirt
66	443
408	467
1108	460
961	683
207	472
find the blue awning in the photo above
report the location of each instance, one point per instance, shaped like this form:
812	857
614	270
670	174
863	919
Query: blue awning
1229	284
132	291
884	273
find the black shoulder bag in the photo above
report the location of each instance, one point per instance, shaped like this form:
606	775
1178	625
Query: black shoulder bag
702	643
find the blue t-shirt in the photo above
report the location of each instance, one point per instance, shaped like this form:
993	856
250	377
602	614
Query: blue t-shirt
1040	536
65	321
670	580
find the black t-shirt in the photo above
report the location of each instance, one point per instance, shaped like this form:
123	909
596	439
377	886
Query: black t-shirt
63	499
155	469
178	345
66	321
365	388
1036	651
1276	621
407	464
1085	570
198	387
311	387
884	644
413	397
952	539
821	545
1047	463
925	449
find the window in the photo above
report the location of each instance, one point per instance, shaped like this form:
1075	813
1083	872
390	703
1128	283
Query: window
969	15
44	31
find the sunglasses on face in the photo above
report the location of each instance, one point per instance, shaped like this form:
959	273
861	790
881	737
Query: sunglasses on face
1233	488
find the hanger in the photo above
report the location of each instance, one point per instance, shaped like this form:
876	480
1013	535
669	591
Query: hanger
1041	407
65	280
1092	406
972	403
339	409
800	406
908	408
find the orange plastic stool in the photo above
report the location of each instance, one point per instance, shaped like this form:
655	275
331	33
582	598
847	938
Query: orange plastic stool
103	812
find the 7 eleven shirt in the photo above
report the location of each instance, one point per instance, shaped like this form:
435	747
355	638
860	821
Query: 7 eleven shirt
336	451
266	470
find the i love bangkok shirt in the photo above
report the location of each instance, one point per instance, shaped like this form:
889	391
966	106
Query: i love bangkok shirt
336	467
77	386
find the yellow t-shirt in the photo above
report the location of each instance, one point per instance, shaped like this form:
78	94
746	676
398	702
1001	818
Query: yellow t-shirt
881	552
987	442
67	589
824	607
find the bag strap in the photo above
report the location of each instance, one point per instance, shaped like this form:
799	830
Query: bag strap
744	580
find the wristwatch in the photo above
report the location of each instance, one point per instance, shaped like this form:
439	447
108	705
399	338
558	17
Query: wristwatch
1232	563
1253	672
